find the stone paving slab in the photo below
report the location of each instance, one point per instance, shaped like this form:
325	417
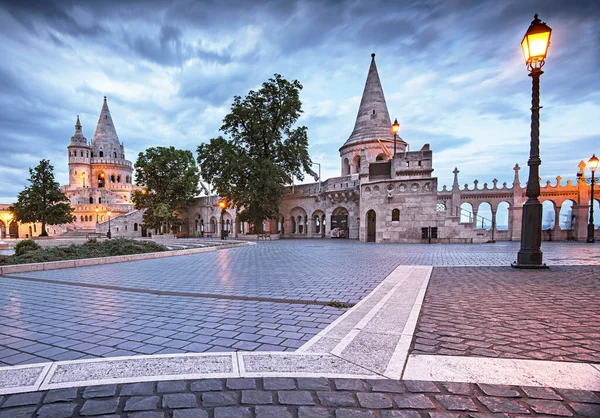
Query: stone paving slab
22	378
503	371
302	398
501	312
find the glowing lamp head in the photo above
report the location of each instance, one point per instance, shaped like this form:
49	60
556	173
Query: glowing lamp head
535	44
593	163
395	127
102	175
222	204
144	191
96	210
108	213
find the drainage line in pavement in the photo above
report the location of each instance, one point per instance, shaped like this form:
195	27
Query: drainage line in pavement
185	294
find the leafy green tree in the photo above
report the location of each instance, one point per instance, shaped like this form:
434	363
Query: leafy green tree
43	201
170	177
252	168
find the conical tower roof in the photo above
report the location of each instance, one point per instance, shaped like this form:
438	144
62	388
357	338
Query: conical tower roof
78	138
373	119
106	141
105	130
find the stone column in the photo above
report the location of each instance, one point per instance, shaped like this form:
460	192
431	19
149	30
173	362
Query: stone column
475	217
309	226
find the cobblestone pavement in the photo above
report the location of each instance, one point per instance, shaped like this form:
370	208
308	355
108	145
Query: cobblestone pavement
502	312
43	322
75	316
302	398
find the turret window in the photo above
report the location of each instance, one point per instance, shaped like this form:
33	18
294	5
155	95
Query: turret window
118	179
101	154
91	200
81	152
114	155
395	215
112	179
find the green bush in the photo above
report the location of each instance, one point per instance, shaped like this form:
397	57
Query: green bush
90	249
26	246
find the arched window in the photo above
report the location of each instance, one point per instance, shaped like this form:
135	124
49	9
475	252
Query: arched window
34	228
395	215
100	180
81	218
135	226
99	200
87	153
101	154
112	178
114	154
91	199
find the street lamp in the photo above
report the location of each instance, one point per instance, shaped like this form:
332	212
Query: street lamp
96	216
222	205
535	48
593	165
319	177
108	234
395	128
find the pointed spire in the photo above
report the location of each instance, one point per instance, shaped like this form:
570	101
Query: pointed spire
516	181
455	183
78	138
105	130
373	119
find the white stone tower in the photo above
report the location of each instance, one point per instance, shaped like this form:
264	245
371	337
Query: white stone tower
79	159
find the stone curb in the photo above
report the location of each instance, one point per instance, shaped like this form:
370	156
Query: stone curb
85	262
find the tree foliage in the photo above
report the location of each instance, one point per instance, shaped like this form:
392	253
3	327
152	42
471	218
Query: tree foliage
263	152
43	201
170	177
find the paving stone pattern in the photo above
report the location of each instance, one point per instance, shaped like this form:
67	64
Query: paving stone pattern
302	398
502	312
42	322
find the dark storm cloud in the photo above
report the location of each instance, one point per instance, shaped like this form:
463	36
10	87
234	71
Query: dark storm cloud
196	55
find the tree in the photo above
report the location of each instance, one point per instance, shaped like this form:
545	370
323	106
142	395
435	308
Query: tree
170	177
253	167
43	201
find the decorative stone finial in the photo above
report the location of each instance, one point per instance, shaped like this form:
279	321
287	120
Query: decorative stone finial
104	98
373	55
558	179
455	183
516	181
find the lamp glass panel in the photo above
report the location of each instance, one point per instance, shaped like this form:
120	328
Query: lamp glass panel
593	163
525	48
538	44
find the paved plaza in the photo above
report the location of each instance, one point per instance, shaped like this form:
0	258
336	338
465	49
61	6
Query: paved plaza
276	296
252	298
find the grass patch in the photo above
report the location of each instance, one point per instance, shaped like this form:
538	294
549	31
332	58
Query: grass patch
335	304
91	249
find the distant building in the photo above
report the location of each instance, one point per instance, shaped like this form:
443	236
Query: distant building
100	178
382	197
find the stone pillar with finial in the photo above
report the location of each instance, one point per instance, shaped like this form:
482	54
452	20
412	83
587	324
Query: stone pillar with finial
455	194
582	206
516	208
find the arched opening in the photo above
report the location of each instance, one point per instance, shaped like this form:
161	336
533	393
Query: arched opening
135	226
317	222
2	230
339	223
502	213
484	216
298	218
101	180
112	178
114	155
371	225
395	215
466	213
101	154
213	225
596	213
91	199
13	230
99	200
118	179
548	215
356	163
381	157
345	167
293	225
565	220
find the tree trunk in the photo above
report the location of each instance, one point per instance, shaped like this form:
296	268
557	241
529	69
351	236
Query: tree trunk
44	233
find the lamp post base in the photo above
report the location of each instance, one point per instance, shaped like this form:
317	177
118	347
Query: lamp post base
518	265
590	234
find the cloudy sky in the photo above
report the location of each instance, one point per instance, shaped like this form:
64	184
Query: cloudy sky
452	72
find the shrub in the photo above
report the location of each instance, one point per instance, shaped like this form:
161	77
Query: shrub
26	246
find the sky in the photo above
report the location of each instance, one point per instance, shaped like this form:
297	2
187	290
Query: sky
452	72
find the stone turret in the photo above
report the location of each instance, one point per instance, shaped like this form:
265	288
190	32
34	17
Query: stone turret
79	158
372	128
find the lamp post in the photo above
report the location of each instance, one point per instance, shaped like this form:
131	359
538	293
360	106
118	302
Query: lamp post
395	128
108	234
96	216
535	45
319	179
222	205
593	165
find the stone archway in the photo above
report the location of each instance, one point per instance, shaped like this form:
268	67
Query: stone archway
371	225
13	229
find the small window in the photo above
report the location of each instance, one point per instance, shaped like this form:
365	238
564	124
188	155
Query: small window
419	163
440	207
91	200
115	155
81	218
81	152
395	215
99	200
408	163
101	154
135	226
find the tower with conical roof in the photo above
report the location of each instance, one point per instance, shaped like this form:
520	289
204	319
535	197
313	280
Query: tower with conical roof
79	158
105	143
372	129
